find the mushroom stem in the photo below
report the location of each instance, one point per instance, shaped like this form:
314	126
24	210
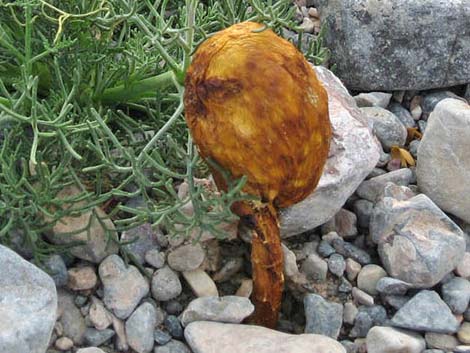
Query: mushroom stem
267	263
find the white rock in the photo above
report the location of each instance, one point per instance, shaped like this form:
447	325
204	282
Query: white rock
391	340
354	152
368	278
201	283
211	337
90	350
28	305
443	168
231	309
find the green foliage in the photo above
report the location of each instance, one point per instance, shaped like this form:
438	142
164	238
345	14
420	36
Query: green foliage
91	95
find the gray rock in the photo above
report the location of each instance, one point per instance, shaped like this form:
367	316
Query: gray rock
204	337
391	340
322	317
362	325
28	305
349	313
186	258
350	347
377	313
155	258
373	99
431	99
124	286
433	351
201	283
422	126
363	210
354	152
230	309
368	278
413	148
351	251
392	286
165	284
315	268
336	265
456	294
55	267
402	114
74	229
441	341
392	45
362	297
140	328
463	268
396	301
417	242
462	349
161	337
386	126
70	317
173	346
94	337
443	164
344	286
372	188
325	249
467	93
426	312
174	327
352	269
343	223
142	238
464	333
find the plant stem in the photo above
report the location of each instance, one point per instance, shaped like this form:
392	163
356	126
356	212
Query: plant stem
5	102
136	90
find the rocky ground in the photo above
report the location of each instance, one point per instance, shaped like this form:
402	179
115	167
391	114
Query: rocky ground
377	259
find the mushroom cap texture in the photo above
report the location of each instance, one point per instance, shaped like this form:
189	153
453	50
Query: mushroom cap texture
256	108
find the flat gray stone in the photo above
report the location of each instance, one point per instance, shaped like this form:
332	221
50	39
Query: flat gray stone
229	309
443	168
211	337
173	346
417	242
372	188
354	152
456	294
140	327
426	312
322	317
142	239
393	44
373	99
28	305
70	317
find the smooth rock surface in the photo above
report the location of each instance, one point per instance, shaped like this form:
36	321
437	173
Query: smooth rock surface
140	326
173	346
124	286
393	44
211	337
229	309
441	341
28	305
354	152
373	99
322	317
368	278
142	239
443	168
426	312
390	340
417	242
386	126
372	188
165	284
70	317
456	294
201	283
186	258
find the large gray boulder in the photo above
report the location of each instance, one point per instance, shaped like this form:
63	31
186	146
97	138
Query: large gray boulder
398	44
417	242
354	152
28	305
210	337
443	158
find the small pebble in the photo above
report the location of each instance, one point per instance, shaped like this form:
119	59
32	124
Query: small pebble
315	268
368	278
464	333
349	250
352	269
173	307
392	286
173	346
362	297
186	258
441	341
201	283
96	338
336	265
363	210
55	267
456	294
415	107
229	269
325	249
166	284
64	344
350	312
173	325
362	325
155	258
82	278
99	316
161	337
245	289
344	286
